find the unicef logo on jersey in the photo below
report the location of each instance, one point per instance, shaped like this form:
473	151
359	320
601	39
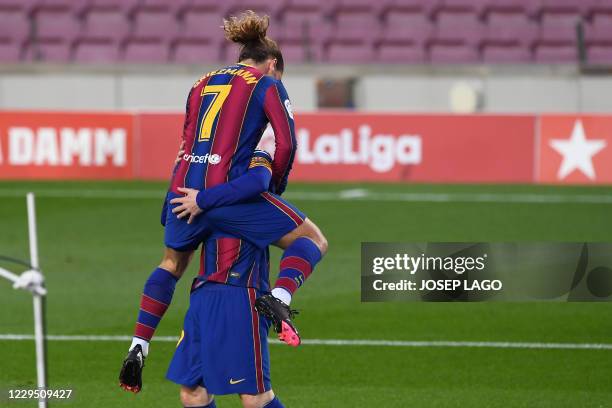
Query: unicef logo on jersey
289	108
207	158
214	159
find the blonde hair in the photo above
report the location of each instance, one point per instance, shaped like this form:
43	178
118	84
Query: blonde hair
249	30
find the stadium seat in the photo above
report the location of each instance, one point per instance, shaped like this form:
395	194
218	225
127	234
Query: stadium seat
373	8
275	29
528	7
154	23
56	5
300	52
95	51
14	26
504	54
171	7
400	52
600	30
17	5
304	9
190	51
10	50
600	6
557	36
587	7
14	30
56	25
200	24
143	50
508	37
296	15
563	6
57	51
351	26
300	5
510	27
208	6
425	7
463	26
599	54
456	37
349	52
228	53
352	18
107	24
407	26
270	8
306	27
559	26
554	54
457	53
125	6
473	6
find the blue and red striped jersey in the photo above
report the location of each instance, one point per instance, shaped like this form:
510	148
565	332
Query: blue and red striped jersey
234	261
227	111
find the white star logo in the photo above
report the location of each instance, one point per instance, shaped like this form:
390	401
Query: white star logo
577	152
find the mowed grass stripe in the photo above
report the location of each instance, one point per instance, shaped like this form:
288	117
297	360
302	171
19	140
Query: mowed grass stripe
344	342
345	195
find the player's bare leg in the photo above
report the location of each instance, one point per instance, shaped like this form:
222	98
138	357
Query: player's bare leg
266	399
156	298
307	229
196	397
176	262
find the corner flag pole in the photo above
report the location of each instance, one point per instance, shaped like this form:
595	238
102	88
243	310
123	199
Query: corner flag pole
39	316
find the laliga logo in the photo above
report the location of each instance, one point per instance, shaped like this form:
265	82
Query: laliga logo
289	108
207	158
381	151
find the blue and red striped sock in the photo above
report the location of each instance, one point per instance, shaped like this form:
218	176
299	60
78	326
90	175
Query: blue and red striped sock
156	298
297	263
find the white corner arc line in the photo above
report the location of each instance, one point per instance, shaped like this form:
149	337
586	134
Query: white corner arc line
345	342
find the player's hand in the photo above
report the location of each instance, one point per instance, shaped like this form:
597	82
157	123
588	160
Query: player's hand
180	153
188	204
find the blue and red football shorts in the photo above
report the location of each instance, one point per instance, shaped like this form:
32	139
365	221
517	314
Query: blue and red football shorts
262	221
224	343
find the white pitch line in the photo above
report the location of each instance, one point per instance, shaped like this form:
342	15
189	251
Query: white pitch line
347	195
344	342
113	194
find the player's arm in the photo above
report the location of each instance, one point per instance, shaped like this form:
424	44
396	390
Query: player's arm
278	111
254	182
189	126
178	159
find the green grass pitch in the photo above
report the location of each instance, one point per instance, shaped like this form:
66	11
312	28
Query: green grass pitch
97	252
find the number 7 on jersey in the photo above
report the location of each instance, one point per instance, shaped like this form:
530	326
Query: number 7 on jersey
220	93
